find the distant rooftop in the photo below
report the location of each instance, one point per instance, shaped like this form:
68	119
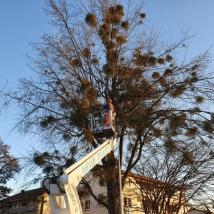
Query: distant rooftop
24	195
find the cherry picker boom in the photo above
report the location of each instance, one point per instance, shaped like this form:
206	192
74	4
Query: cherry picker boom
63	194
62	191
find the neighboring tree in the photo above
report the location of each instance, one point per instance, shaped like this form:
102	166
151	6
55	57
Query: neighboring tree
205	206
175	179
53	161
100	49
8	167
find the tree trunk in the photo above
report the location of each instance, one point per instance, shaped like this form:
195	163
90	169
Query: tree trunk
112	184
113	197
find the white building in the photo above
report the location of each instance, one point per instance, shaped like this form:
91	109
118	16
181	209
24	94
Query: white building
133	202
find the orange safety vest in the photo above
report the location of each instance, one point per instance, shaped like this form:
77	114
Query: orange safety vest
107	119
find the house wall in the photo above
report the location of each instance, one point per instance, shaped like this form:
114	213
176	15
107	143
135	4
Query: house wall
95	208
25	206
131	193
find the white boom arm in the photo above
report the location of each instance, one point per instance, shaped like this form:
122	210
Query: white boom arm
69	202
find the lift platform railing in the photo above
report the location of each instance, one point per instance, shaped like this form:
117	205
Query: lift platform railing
102	123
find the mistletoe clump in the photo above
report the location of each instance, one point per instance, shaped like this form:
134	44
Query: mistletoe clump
90	19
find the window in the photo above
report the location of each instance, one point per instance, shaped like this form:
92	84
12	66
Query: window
16	205
127	202
10	206
23	204
87	204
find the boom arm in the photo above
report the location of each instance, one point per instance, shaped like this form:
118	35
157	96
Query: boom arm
72	177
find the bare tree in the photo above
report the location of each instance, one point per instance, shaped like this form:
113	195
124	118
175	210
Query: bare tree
100	49
205	206
8	167
170	181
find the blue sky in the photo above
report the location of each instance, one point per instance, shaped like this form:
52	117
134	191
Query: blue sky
171	17
22	22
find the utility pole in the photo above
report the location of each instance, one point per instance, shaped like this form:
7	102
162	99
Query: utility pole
120	182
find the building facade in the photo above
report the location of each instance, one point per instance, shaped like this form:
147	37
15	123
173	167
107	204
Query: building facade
37	202
135	198
26	202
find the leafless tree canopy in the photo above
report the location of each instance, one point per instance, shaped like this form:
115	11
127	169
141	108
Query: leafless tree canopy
100	49
175	180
